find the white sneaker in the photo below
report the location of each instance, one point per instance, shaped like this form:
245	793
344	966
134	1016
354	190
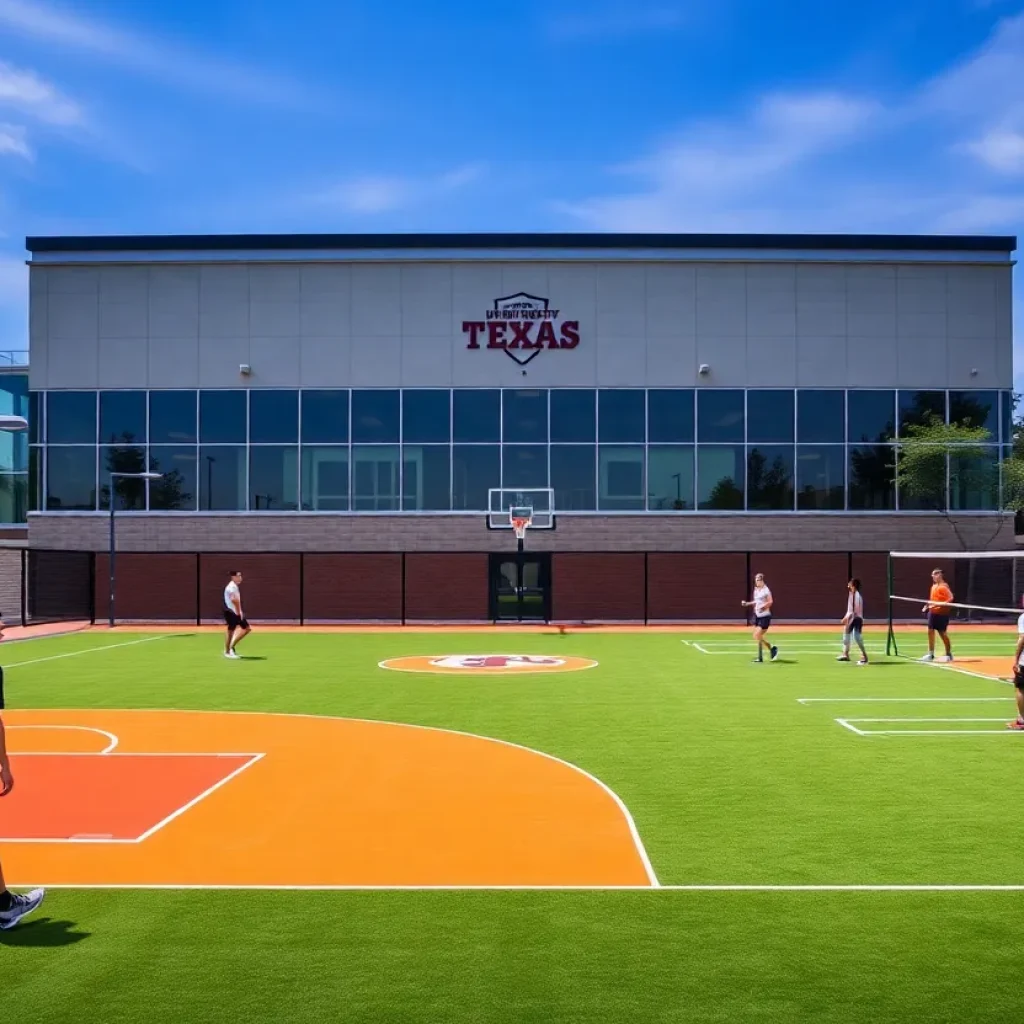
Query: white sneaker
20	906
927	657
232	656
946	657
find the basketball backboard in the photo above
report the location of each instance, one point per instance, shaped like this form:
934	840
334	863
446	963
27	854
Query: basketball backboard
501	502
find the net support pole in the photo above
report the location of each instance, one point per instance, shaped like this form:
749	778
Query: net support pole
890	639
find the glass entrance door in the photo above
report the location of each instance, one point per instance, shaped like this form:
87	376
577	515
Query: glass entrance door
521	588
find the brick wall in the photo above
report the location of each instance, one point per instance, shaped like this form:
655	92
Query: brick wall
469	533
804	586
271	589
706	586
154	587
451	587
10	585
592	587
353	587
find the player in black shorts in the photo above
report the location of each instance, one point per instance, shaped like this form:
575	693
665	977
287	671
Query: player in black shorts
237	624
12	907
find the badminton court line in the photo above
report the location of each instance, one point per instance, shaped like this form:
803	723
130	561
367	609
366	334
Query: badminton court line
901	700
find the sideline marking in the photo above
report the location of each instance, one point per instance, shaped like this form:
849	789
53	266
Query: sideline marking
900	700
846	722
75	728
824	887
701	649
634	833
87	650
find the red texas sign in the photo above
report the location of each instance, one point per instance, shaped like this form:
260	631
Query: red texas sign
522	326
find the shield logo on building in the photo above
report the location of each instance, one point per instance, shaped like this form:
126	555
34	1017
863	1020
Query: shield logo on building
519	307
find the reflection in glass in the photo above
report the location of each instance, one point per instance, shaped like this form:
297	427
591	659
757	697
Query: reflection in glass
13	497
929	479
621	414
172	417
820	478
524	417
129	494
178	488
36	405
974	480
821	416
426	416
871	477
573	472
475	470
721	476
222	417
720	415
325	417
35	479
476	416
274	478
769	416
222	478
375	478
976	409
325	478
573	415
375	416
921	408
426	477
524	465
273	417
670	415
770	478
670	478
122	417
871	415
71	479
71	417
621	484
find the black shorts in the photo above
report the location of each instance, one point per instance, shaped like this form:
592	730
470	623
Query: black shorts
234	621
938	622
1018	677
856	625
763	622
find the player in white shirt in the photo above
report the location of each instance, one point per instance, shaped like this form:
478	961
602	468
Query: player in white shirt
1018	677
853	623
237	624
762	604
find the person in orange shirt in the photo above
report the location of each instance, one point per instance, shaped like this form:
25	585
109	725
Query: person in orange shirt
938	615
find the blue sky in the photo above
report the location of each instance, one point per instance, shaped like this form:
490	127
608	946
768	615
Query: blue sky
603	115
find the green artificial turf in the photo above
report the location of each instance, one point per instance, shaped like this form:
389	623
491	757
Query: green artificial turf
730	781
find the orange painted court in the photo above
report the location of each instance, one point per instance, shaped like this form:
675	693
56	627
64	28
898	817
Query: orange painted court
236	799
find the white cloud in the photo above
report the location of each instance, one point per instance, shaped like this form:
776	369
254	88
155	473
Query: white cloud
151	57
713	173
26	91
13	142
1002	151
616	20
373	194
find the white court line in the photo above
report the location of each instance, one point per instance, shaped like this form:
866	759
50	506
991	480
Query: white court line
701	649
87	650
95	840
604	787
882	720
202	796
900	700
824	887
846	725
74	728
125	753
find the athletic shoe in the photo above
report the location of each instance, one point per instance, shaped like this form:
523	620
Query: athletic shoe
863	661
775	654
946	657
757	661
927	657
843	657
1016	724
20	906
232	656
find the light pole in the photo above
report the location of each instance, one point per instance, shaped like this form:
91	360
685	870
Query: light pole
113	477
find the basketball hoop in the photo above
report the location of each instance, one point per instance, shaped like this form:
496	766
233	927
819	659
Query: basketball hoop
521	518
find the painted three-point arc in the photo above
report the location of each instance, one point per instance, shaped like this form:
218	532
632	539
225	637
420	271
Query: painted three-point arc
488	664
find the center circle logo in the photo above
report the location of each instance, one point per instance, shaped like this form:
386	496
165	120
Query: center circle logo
488	664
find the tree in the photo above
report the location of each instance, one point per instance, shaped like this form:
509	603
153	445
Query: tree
130	494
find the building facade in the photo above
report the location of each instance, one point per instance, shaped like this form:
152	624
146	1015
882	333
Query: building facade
679	395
